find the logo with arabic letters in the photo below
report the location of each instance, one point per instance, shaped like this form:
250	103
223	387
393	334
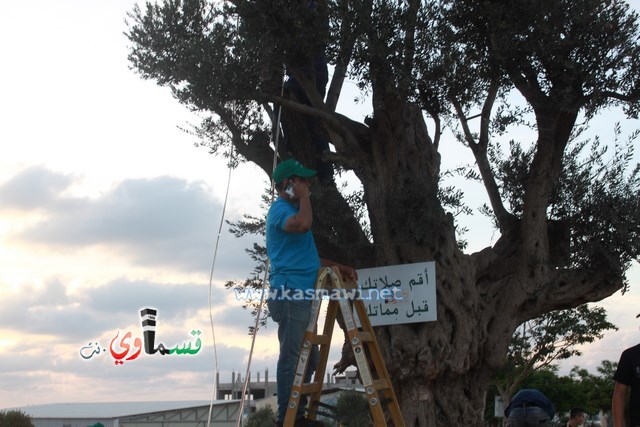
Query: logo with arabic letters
128	347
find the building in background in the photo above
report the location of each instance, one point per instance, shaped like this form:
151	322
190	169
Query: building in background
134	414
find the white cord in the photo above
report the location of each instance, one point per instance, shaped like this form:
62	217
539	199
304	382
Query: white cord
214	388
213	265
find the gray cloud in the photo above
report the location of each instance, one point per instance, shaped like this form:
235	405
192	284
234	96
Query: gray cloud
89	312
147	377
88	315
124	296
162	221
44	310
33	188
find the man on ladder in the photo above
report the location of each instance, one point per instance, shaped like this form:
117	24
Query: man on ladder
294	267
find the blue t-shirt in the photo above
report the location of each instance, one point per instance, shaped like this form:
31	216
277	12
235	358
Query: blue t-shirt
294	257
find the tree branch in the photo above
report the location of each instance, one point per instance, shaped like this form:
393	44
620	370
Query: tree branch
339	126
409	44
348	39
633	97
437	132
479	149
256	151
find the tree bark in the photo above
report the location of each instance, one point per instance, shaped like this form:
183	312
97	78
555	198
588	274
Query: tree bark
437	368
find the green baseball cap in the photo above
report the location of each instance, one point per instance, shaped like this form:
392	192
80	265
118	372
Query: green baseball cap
290	168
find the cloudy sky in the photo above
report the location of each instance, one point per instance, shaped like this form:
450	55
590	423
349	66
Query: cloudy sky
107	207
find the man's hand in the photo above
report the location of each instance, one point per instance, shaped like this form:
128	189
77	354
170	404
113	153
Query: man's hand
348	272
302	221
617	403
301	189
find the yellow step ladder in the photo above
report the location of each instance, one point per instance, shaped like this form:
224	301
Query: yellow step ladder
377	385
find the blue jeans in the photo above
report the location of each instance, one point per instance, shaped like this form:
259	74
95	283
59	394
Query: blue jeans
528	416
292	317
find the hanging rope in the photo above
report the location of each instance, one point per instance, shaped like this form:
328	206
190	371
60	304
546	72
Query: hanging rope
214	390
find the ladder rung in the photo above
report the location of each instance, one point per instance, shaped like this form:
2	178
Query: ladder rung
320	339
380	384
365	336
311	388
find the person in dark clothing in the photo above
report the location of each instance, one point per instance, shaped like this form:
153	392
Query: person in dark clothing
319	141
316	70
627	376
529	408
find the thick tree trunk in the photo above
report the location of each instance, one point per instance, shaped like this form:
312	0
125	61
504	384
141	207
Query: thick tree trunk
438	367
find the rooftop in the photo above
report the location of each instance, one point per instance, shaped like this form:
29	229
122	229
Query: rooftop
109	409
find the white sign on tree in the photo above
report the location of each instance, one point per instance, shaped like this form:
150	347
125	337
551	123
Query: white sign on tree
397	294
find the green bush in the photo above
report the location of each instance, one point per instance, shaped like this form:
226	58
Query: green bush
261	418
15	418
353	410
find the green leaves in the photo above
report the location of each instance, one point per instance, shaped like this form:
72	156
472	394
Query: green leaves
595	197
556	335
567	54
263	417
538	343
14	418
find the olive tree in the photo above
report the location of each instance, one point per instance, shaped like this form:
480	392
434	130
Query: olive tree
568	229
